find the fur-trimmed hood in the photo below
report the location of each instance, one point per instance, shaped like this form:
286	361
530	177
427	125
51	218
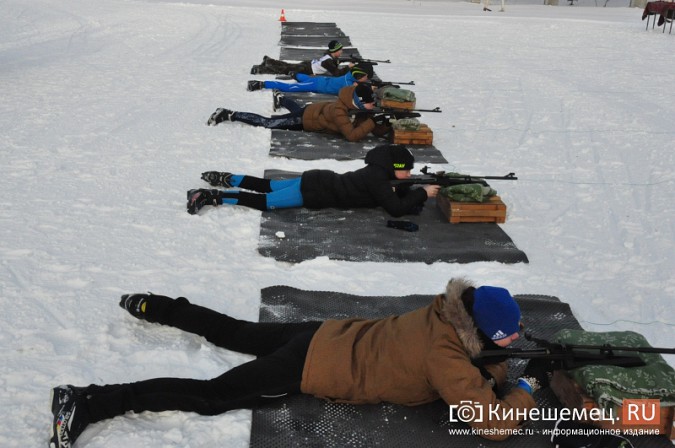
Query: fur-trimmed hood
346	97
454	313
410	359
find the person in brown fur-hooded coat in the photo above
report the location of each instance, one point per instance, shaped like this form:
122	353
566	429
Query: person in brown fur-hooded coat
330	117
411	359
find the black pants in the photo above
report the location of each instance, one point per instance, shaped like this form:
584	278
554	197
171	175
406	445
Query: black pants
281	349
276	67
291	121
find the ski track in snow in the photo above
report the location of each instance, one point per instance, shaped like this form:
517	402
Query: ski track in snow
102	132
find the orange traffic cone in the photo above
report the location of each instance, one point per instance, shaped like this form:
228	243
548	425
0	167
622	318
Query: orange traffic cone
283	16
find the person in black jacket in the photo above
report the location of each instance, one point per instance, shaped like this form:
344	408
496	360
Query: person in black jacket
326	65
364	188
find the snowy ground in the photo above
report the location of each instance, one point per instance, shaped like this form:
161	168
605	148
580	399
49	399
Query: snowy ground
102	132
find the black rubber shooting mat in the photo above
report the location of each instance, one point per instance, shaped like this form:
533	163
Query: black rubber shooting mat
312	41
290	27
316	145
362	235
304	421
325	30
307	54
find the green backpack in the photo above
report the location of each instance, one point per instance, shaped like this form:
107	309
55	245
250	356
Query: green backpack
396	94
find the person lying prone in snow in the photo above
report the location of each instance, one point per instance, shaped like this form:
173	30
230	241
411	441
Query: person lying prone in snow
330	85
327	64
364	188
330	117
415	358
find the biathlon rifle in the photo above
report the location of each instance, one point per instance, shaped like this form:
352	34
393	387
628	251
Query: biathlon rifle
449	179
354	58
572	356
393	112
376	83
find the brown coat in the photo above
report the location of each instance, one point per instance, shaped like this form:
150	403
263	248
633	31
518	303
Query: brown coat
333	117
410	359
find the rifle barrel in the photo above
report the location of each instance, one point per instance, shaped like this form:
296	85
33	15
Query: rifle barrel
435	109
510	176
468	178
388	83
354	58
607	348
515	353
569	358
383	110
441	179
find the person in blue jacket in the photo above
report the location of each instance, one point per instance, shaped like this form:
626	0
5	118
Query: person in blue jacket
360	72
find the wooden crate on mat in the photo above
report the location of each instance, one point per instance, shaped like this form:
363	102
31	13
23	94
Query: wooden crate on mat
493	210
572	396
422	136
406	105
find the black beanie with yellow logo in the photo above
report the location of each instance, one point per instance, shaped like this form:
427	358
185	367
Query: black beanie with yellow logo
401	157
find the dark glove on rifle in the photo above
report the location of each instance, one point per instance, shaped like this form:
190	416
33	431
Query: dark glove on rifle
380	119
537	374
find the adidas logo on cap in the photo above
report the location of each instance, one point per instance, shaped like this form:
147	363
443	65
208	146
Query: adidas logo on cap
499	335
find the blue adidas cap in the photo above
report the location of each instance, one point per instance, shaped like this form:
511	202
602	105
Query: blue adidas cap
495	312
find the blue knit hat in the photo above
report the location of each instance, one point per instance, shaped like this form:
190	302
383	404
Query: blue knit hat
495	312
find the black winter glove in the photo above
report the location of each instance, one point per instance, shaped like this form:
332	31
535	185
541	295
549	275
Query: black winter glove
538	373
380	119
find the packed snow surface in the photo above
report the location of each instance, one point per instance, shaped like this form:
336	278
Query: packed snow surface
102	131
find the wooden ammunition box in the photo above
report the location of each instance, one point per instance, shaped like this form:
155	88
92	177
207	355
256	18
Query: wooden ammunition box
493	210
422	136
407	105
572	396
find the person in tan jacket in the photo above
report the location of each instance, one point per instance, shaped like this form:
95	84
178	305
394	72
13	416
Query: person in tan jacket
331	117
415	358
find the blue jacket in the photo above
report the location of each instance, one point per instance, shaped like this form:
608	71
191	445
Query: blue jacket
318	84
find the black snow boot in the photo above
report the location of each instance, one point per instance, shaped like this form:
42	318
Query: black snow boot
255	85
217	178
219	116
277	96
196	199
136	304
147	306
70	413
